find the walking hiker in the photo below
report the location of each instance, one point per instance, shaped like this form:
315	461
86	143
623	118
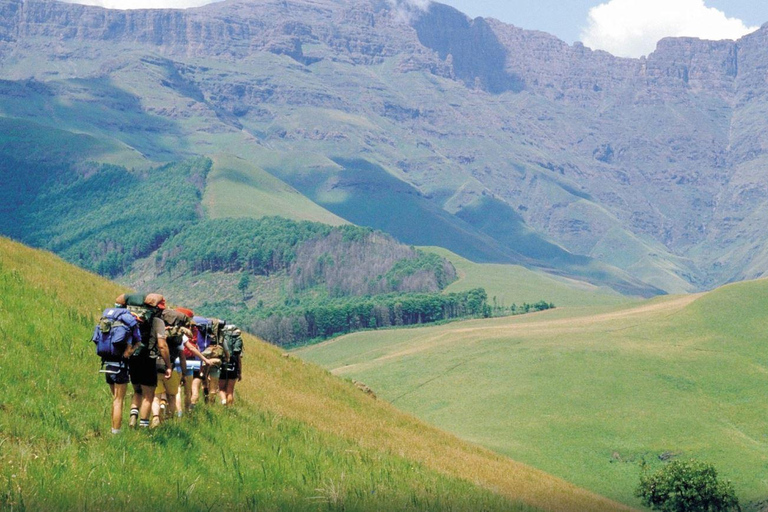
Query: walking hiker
231	372
142	365
206	375
115	337
164	402
218	354
189	362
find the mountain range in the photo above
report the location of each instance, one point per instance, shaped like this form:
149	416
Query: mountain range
498	143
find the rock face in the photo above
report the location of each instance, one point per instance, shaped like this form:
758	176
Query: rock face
654	165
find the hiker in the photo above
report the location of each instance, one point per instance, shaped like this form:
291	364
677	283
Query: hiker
206	376
218	353
142	364
116	337
231	372
177	324
190	361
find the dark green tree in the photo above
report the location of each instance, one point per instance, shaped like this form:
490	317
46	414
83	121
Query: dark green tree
686	486
243	284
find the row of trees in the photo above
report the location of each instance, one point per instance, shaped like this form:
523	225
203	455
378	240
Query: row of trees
291	326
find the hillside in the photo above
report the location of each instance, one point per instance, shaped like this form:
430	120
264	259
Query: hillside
515	284
641	172
298	438
589	393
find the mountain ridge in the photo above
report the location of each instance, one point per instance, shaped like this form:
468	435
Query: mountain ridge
659	155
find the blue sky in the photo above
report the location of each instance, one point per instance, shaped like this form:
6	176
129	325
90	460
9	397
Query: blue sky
627	28
566	19
569	19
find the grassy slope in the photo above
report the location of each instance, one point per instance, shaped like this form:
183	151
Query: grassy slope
299	439
513	284
237	188
588	396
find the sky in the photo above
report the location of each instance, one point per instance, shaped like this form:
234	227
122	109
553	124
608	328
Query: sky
626	28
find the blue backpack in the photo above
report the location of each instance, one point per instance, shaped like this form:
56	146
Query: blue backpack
204	332
116	329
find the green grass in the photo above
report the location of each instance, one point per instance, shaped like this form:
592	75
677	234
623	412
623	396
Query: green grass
237	188
513	284
588	397
298	439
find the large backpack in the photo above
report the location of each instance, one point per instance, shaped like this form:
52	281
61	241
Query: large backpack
234	339
177	324
144	305
205	334
117	329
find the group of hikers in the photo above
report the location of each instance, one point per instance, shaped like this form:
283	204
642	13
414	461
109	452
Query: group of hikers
161	351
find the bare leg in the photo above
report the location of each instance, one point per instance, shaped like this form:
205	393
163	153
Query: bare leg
118	400
231	391
171	405
182	402
197	385
147	396
135	405
213	388
223	390
156	416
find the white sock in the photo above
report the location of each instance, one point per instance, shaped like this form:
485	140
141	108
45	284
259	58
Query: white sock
115	430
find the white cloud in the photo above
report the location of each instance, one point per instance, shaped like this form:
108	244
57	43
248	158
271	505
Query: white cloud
143	4
631	28
405	10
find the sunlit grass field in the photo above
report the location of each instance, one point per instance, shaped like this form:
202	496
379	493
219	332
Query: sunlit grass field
298	439
588	397
514	284
237	188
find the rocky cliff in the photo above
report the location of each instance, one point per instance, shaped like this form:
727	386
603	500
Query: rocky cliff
654	165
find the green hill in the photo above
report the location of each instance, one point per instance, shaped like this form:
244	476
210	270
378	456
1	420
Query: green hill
298	439
514	284
589	393
237	188
485	231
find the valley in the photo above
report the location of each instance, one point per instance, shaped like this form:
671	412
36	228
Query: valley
587	393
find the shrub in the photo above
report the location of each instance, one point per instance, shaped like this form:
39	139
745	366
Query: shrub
686	486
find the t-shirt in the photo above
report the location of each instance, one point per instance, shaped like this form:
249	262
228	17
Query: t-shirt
157	331
150	332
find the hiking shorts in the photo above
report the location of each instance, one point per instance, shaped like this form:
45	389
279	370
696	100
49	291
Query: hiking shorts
214	372
170	386
143	371
230	370
193	368
116	373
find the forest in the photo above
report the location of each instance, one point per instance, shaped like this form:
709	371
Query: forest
331	280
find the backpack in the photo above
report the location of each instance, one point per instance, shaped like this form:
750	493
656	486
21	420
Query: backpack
116	329
145	306
234	339
205	335
176	326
